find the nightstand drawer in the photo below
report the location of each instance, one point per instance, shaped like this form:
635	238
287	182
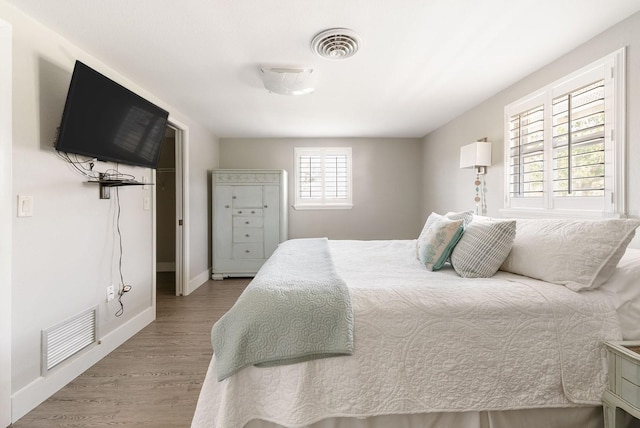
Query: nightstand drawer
630	371
630	392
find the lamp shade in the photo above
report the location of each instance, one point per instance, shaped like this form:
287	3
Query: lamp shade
475	154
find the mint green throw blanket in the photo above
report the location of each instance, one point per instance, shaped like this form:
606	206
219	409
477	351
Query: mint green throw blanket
296	309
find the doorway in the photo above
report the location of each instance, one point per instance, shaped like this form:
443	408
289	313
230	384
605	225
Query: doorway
171	274
166	280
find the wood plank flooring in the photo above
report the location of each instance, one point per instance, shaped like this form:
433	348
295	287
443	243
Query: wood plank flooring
153	379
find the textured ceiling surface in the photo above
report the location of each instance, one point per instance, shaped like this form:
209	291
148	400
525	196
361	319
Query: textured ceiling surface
421	63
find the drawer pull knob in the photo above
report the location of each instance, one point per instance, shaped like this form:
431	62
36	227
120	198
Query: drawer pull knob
246	222
247	251
246	236
226	206
239	212
266	206
234	197
253	212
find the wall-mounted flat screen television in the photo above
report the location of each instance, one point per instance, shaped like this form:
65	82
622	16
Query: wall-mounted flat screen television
104	120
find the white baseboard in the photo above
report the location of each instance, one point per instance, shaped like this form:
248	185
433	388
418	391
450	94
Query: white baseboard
29	397
196	282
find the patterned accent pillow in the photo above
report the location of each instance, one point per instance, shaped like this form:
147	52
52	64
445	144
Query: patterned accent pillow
435	247
465	216
483	248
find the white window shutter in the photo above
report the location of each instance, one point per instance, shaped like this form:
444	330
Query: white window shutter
561	156
323	178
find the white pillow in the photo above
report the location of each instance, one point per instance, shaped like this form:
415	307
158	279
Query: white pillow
624	291
483	247
580	254
435	247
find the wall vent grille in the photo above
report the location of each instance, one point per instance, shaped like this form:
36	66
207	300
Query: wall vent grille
68	338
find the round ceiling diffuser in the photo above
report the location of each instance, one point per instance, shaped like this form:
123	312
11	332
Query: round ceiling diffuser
336	43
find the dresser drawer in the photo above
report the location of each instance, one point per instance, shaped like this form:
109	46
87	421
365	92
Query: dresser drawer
248	234
247	196
630	392
248	212
243	221
248	251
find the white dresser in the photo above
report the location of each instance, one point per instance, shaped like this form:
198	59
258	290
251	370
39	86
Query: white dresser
249	219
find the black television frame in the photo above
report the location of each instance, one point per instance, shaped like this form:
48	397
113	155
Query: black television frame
106	121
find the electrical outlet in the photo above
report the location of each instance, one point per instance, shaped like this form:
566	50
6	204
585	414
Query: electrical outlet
111	293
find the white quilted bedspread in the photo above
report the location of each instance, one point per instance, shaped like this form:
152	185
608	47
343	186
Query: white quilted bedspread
427	342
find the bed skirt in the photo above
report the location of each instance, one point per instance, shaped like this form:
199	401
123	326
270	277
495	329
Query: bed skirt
582	417
569	417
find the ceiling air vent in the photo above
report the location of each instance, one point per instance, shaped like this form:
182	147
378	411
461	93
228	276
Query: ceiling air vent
336	43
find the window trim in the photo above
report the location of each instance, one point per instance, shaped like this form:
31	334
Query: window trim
613	67
324	203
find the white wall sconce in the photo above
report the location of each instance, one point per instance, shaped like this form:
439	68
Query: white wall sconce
477	155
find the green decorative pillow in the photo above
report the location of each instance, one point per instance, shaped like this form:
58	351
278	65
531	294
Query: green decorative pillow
435	247
465	216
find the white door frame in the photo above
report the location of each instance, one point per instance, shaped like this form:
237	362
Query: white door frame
182	206
6	221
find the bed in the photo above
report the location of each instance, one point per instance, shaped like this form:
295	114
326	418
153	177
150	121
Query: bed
461	345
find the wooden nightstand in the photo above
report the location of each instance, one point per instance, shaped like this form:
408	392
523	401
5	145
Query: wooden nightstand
623	391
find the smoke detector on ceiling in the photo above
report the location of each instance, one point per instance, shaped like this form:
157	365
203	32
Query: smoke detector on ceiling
289	81
336	43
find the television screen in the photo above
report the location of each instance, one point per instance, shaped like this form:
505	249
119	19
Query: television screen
104	120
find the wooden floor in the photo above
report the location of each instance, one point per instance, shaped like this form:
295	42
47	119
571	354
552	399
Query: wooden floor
152	380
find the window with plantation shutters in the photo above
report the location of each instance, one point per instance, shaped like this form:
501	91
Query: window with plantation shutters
564	145
526	153
322	177
578	142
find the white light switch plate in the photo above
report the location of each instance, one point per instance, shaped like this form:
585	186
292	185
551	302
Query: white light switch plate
25	206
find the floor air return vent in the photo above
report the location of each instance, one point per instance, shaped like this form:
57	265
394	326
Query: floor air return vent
68	338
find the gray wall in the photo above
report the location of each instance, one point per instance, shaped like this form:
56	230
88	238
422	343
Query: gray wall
387	185
455	189
6	217
65	256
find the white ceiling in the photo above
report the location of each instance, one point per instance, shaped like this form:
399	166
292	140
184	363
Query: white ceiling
422	63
